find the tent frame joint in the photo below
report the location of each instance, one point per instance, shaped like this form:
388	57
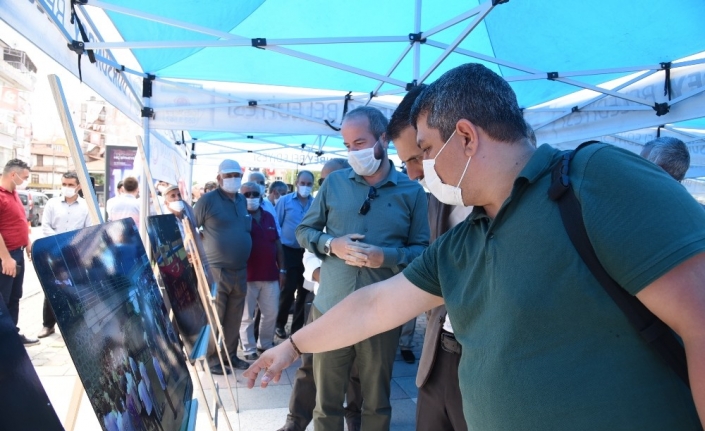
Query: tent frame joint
417	37
552	76
76	46
251	103
661	108
497	2
148	112
411	85
259	42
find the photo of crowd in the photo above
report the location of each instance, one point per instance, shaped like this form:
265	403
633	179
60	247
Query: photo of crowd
179	277
115	325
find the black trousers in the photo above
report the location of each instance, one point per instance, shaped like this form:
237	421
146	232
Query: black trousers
11	287
49	319
440	406
293	261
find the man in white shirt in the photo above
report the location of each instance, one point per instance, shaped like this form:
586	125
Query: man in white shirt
110	202
62	214
126	205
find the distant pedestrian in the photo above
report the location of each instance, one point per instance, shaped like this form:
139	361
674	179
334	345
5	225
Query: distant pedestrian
14	239
62	214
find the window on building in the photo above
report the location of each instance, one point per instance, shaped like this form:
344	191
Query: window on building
40	160
35	178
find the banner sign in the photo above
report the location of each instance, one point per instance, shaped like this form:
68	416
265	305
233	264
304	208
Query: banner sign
603	117
209	107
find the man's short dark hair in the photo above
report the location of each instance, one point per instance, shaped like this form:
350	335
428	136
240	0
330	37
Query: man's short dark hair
278	185
477	94
130	184
671	154
14	164
304	172
210	186
400	118
71	175
120	184
378	122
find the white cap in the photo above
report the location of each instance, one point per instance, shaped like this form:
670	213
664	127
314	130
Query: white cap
228	166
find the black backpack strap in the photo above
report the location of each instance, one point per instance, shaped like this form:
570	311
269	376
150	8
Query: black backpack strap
650	327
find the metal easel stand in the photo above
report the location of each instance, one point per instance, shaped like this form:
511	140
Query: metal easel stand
207	294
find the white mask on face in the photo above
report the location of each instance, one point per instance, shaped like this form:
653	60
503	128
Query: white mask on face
231	185
449	195
68	192
176	206
305	191
252	204
21	186
262	189
364	162
277	200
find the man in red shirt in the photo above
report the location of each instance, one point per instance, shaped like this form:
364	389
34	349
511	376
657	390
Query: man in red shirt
14	238
265	275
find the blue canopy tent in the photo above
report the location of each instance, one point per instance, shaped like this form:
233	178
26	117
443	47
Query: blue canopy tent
257	76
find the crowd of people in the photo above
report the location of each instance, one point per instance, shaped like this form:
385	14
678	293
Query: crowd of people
520	334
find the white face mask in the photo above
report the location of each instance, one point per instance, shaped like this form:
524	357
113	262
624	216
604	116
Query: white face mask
68	192
364	162
449	195
231	185
176	206
21	186
262	189
305	191
252	204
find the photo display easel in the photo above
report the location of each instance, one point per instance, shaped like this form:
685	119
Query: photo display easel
108	307
190	298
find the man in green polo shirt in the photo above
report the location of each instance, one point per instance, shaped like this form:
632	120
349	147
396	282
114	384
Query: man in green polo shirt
544	346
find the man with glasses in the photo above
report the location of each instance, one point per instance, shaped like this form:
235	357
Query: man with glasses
226	238
265	273
290	211
267	205
366	224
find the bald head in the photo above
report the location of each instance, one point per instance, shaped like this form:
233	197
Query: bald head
333	165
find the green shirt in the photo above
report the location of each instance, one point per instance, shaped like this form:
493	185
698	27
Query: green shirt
397	222
544	346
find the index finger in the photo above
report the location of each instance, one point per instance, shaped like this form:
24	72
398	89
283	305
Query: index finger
251	373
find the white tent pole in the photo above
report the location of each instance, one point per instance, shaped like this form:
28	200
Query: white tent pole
685	96
192	156
225	43
144	186
390	71
605	91
163	20
335	65
451	22
417	45
94	29
582	106
484	9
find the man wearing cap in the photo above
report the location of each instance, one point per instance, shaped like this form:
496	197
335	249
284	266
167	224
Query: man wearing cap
226	237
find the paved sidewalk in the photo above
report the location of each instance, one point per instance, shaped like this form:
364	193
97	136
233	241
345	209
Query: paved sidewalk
260	409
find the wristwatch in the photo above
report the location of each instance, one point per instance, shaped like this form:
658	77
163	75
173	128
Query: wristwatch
326	246
282	271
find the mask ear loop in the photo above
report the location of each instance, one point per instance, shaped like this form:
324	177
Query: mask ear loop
466	169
